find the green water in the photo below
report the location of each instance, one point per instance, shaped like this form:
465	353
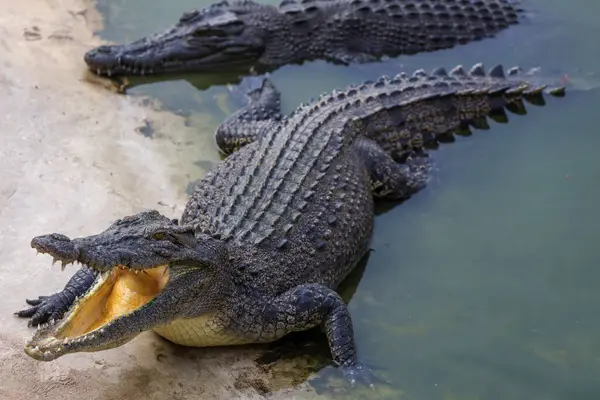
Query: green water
484	285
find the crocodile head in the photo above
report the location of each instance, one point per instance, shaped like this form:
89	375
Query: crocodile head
219	36
151	271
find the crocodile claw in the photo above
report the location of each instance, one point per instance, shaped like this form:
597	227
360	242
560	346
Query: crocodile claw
43	310
361	375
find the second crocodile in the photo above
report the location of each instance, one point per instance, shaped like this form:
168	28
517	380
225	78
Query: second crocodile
244	35
272	230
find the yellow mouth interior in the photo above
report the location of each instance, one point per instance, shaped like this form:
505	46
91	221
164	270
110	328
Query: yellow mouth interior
121	292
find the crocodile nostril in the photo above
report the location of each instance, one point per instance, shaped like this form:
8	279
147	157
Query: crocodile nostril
97	54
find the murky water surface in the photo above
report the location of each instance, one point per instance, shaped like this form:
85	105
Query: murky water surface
485	285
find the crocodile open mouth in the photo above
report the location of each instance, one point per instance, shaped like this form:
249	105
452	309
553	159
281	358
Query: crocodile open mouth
115	294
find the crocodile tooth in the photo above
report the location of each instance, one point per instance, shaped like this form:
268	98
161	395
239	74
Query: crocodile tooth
63	265
477	70
497	71
98	71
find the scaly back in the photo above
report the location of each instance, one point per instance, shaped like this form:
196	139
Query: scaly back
349	31
266	188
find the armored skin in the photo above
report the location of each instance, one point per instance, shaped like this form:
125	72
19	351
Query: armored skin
244	35
273	229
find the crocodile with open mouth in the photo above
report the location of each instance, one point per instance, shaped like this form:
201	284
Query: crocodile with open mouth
245	35
273	229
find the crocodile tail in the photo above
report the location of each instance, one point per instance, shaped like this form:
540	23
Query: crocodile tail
504	91
406	113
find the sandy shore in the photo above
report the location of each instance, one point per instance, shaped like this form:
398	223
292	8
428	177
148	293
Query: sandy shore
73	160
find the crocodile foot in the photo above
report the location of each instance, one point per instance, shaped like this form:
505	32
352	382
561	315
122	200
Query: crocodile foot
361	375
45	308
357	381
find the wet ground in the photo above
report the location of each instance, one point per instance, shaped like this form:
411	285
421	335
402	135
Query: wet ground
483	286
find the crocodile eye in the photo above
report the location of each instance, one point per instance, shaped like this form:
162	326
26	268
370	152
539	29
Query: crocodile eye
158	235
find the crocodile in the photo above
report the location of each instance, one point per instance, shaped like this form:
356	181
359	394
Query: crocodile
273	229
247	36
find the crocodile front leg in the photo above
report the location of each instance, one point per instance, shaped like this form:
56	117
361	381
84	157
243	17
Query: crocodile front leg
305	307
54	306
260	114
389	179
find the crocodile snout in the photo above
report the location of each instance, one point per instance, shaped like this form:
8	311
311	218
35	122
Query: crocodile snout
57	245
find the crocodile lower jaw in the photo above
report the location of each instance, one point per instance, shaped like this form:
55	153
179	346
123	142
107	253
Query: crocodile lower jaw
115	293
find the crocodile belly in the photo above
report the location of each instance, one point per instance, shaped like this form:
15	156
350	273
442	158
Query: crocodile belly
198	332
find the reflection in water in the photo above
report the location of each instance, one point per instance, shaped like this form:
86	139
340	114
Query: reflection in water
484	285
199	81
